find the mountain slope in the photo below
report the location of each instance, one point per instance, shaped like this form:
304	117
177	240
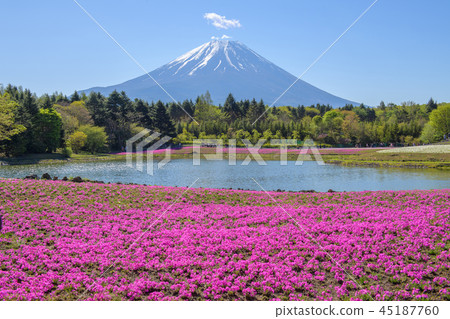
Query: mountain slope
223	67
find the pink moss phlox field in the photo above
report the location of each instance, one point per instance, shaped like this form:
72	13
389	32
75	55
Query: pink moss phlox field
244	150
59	238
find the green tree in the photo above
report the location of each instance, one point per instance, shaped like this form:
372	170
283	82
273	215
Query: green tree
429	134
77	141
188	108
440	119
162	120
431	105
96	106
329	116
113	105
244	107
255	136
143	114
29	104
73	115
46	102
120	112
48	125
317	120
25	113
8	127
256	110
95	138
242	134
126	107
231	108
185	136
75	97
267	135
206	112
207	98
350	127
311	112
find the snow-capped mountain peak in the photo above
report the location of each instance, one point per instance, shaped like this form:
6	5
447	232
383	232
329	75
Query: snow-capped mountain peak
218	56
223	67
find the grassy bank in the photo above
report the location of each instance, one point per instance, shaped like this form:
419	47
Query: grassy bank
347	157
380	159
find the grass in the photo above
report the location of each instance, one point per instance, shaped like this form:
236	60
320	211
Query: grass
381	159
361	157
425	149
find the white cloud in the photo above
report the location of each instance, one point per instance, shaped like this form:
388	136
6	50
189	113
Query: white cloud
221	22
223	37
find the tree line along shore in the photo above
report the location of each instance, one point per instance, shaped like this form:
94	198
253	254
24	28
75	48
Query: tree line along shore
96	124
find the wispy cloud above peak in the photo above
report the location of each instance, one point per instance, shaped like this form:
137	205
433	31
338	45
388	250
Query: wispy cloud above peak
223	37
221	22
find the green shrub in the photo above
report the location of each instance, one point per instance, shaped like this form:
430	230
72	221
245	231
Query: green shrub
77	141
67	151
95	138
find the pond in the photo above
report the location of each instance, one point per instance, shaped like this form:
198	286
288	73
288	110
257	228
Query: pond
272	176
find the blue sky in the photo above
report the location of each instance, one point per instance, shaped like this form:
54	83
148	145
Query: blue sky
398	52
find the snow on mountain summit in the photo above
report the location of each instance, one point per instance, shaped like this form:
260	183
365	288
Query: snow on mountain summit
218	55
223	67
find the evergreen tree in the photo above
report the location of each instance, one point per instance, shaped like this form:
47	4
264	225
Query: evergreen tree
188	108
207	98
431	105
301	112
126	107
245	105
45	102
162	121
143	113
252	113
75	97
25	115
179	128
260	110
231	108
61	99
29	104
176	112
113	105
96	106
120	115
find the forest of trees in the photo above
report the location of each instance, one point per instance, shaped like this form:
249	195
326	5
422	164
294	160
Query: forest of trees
97	123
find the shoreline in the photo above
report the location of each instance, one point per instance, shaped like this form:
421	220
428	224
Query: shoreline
346	157
79	180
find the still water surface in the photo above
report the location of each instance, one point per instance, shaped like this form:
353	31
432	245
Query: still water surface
272	176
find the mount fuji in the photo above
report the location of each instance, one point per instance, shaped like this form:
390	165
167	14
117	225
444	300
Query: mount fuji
223	67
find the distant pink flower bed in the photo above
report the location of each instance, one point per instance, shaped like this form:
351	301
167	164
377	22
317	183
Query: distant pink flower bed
243	150
60	237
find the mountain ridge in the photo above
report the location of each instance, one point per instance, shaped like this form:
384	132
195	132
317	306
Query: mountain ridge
223	67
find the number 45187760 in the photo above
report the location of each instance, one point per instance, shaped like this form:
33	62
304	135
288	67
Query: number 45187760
409	310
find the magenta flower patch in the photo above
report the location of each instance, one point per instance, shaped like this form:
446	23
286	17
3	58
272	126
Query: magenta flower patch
69	241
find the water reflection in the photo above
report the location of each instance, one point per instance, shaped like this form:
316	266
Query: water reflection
273	176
